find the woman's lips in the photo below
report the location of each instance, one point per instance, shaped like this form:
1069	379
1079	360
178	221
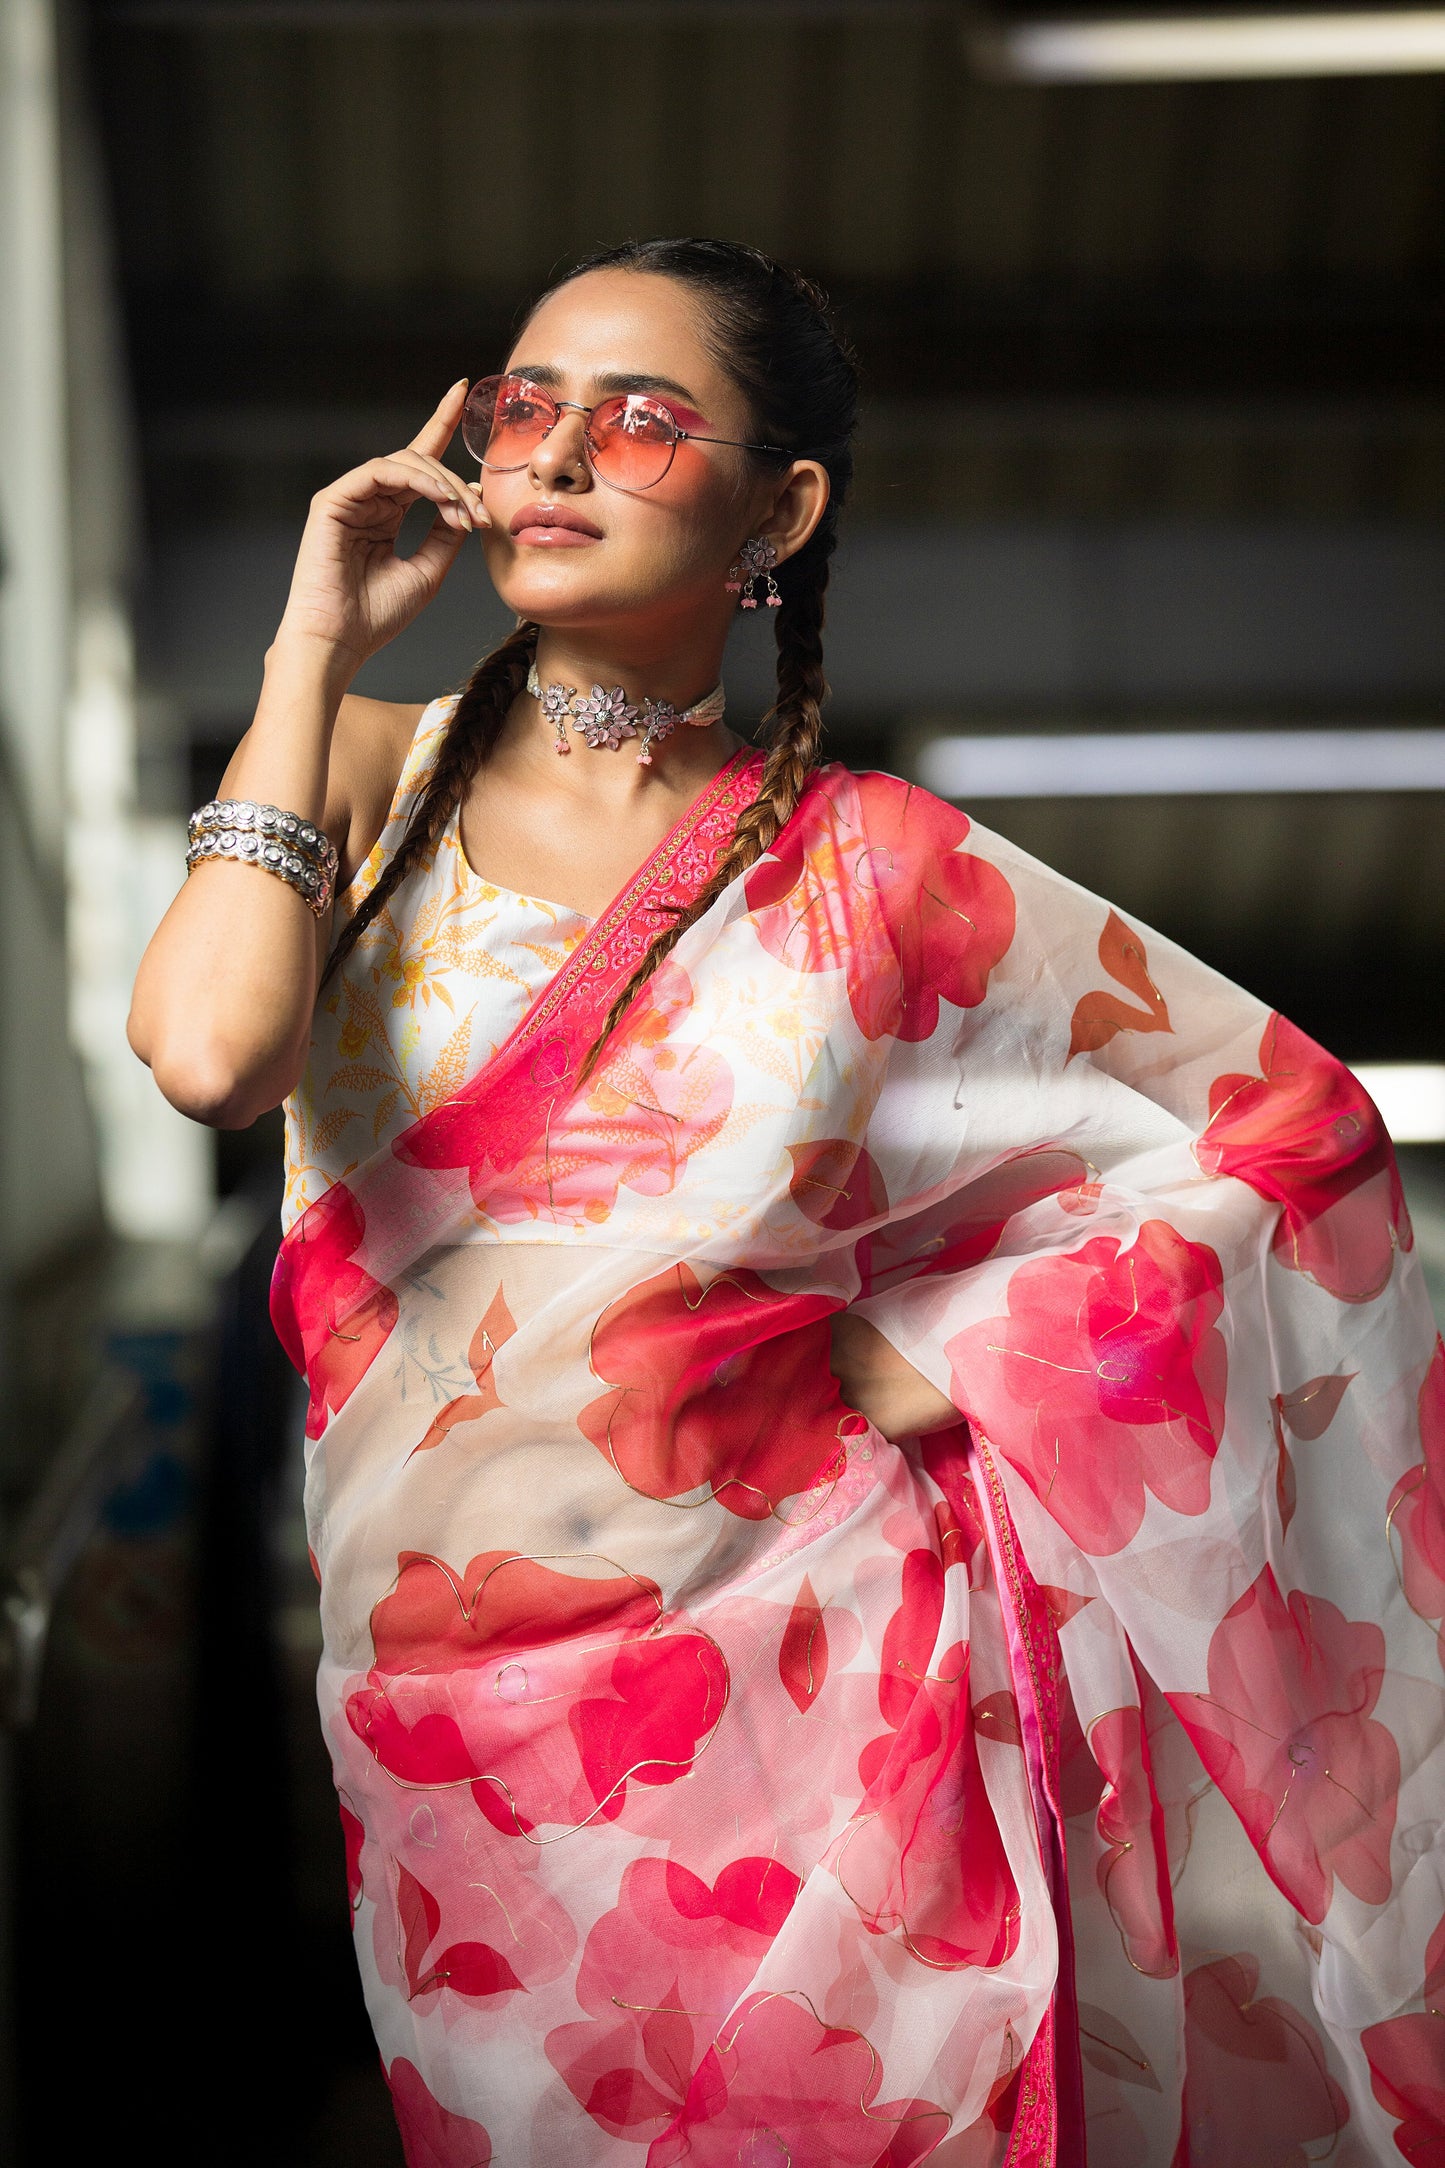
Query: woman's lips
548	526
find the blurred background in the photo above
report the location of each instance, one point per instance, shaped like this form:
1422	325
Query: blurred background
1145	567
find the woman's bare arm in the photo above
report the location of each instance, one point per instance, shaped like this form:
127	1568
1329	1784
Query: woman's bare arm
224	996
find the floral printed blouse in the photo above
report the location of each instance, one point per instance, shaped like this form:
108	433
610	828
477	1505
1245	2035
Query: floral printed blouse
402	1025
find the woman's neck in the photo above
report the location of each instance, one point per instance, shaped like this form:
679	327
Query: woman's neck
679	671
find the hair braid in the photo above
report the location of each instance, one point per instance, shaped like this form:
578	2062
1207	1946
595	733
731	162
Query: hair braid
474	728
792	732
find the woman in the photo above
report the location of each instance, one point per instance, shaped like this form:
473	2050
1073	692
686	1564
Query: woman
871	1424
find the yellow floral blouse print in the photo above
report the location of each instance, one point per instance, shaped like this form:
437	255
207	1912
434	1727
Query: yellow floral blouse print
425	998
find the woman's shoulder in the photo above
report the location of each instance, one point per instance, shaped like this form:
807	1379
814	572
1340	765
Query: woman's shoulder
377	752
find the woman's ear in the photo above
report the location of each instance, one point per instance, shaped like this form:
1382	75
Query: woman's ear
800	503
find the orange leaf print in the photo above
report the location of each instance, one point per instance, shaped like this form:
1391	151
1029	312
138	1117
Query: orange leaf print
1099	1015
1307	1412
803	1654
495	1330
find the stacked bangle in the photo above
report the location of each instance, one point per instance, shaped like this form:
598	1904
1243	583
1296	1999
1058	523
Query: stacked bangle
295	850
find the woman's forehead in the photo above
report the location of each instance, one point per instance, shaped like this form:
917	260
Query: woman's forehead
610	326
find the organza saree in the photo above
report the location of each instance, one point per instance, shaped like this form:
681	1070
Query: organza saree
726	1784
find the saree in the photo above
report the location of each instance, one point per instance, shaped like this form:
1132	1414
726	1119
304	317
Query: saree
1089	1750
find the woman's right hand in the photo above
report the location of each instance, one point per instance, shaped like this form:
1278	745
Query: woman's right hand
350	591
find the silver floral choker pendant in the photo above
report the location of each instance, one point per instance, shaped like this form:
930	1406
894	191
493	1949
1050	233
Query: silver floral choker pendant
604	717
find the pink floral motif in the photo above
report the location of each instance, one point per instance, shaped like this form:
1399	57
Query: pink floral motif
964	1228
913	917
724	1387
922	1858
1257	2087
1286	1732
780	2089
1406	2056
1417	1504
332	1318
1305	1133
547	1692
1133	1871
658	1976
1105	1380
431	2136
654	1101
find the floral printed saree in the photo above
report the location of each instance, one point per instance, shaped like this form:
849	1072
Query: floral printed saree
723	1783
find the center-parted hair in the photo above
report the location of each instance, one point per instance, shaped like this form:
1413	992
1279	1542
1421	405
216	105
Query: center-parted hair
769	328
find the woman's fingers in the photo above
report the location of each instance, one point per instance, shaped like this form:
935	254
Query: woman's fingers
435	433
468	494
400	478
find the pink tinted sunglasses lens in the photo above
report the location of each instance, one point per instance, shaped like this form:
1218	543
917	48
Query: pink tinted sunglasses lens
504	420
632	440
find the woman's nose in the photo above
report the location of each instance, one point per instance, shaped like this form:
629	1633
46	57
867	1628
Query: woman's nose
560	460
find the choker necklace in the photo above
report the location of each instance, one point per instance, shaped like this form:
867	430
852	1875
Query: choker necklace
605	717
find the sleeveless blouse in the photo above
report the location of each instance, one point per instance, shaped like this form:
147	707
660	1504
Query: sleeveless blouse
435	984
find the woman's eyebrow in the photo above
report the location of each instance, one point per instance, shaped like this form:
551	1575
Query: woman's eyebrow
613	380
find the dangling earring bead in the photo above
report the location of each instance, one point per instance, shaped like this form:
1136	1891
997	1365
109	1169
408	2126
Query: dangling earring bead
755	561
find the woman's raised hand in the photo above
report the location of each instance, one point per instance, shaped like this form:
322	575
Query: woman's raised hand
350	591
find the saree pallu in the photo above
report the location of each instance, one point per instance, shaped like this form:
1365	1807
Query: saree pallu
723	1783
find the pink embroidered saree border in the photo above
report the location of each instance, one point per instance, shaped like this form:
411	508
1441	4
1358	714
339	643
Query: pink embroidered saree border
1048	2127
546	1051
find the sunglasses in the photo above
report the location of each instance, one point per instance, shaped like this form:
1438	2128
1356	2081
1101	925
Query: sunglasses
630	438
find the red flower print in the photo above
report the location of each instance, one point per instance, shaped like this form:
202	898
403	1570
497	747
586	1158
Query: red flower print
431	2136
836	1183
1306	1413
780	2089
496	1328
654	1101
332	1318
803	1652
885	891
1133	1871
1099	1016
549	1693
1285	1730
923	1858
963	1229
725	1387
659	1974
644	1114
1407	2075
1406	2056
472	1969
1256	2088
1306	1134
1105	1380
1417	1503
959	1517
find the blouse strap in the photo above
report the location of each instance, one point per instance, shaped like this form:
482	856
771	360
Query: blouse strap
415	774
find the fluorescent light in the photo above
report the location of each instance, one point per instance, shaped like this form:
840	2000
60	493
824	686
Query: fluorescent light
1181	763
1410	1096
1196	48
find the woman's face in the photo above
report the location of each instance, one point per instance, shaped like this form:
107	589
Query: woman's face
661	554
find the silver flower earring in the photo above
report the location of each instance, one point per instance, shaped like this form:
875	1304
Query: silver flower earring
755	561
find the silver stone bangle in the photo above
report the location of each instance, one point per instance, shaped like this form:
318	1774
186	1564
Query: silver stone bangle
295	850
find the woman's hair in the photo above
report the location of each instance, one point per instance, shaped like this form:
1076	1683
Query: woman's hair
769	328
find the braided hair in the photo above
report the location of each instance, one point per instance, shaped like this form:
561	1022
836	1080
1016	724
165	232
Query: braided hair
769	328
